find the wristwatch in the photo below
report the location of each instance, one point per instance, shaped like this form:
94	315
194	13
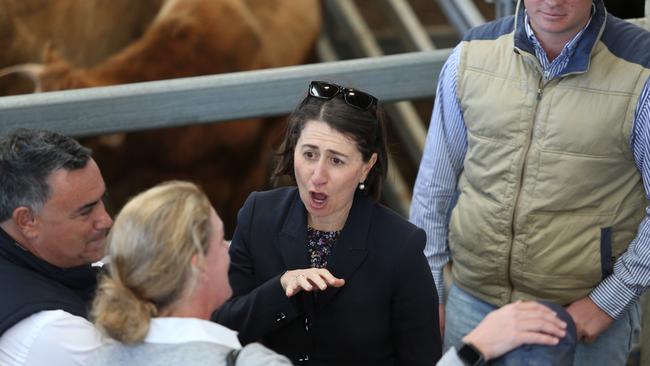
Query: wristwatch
470	355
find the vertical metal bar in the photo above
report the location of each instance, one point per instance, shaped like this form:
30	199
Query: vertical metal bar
347	12
462	14
471	12
411	29
325	50
505	8
408	124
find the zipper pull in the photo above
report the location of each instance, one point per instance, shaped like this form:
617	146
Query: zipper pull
540	88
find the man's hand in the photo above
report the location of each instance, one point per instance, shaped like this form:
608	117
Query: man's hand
590	320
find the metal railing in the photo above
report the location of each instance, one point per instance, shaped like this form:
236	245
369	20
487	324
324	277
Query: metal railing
204	99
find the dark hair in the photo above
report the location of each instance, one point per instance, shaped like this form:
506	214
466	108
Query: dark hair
366	127
27	158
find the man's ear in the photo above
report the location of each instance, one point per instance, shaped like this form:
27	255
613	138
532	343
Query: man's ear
24	219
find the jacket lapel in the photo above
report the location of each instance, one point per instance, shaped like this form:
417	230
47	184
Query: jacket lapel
351	248
293	236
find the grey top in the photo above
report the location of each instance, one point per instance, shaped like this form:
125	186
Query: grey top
450	358
187	342
186	354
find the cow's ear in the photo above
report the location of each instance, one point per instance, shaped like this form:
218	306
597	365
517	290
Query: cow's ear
50	54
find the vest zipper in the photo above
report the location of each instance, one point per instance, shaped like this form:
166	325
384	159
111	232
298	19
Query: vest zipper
540	92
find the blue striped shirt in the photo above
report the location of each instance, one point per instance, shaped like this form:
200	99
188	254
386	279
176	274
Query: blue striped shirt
442	163
560	62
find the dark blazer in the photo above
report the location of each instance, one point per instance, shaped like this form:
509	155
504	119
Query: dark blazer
385	314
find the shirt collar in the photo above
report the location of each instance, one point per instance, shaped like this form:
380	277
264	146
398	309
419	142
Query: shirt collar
567	47
169	330
579	58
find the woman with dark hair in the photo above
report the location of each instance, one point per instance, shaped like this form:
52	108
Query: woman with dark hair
322	272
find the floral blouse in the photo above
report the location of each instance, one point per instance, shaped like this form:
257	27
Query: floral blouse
319	245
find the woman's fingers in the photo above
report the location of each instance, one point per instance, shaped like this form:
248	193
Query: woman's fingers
308	280
304	282
289	282
322	278
331	280
337	282
290	290
543	325
317	280
538	338
533	316
292	287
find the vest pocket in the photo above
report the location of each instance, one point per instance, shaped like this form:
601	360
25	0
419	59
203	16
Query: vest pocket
606	259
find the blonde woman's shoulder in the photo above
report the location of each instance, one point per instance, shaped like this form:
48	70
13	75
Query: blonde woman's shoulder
256	354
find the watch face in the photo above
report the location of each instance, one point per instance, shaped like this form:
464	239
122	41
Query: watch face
469	354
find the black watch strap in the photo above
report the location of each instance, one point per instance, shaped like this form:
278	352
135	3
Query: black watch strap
470	355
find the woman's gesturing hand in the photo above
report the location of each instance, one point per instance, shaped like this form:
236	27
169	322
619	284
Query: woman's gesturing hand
308	280
513	325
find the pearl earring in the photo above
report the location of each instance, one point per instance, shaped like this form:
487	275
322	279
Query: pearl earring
362	186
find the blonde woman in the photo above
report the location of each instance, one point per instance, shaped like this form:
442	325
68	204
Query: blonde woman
168	273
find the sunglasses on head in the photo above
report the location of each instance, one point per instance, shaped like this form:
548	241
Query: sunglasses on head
352	97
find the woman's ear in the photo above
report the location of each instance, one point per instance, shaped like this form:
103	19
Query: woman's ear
368	166
198	267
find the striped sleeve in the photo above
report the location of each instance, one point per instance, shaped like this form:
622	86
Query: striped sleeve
441	164
631	274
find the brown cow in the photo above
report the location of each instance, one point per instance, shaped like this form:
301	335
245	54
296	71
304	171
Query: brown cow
83	31
188	38
197	37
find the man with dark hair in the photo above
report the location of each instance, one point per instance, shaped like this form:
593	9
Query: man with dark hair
52	227
542	124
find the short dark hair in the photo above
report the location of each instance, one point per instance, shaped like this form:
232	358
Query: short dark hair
27	158
366	127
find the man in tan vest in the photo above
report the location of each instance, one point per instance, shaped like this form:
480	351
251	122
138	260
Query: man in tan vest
542	126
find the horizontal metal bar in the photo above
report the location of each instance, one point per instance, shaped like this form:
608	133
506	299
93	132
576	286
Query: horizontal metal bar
223	97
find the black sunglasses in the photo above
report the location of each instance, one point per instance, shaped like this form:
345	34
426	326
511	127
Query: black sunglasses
353	97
